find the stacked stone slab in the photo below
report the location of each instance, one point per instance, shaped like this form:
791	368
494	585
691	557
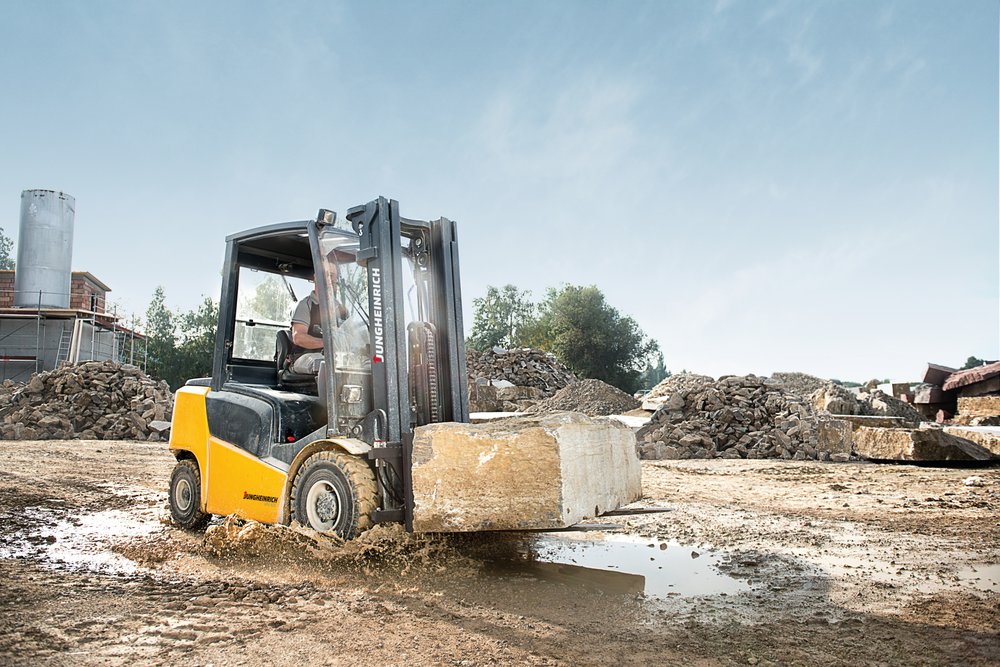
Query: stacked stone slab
590	397
741	417
522	367
93	401
978	411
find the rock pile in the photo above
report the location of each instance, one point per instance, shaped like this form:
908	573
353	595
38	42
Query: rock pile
838	400
96	400
522	367
803	384
679	382
591	397
879	403
737	417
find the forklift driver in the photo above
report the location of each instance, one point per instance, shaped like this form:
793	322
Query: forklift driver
307	329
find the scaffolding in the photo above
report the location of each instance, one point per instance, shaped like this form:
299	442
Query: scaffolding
38	339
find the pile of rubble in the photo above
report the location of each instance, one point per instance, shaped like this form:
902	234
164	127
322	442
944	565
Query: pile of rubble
803	384
591	397
838	400
739	417
522	367
96	400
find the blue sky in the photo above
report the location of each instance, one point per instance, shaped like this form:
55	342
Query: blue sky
763	186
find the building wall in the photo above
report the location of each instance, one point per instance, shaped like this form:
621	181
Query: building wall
6	289
82	289
81	292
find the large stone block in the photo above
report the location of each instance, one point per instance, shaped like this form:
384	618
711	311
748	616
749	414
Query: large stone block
979	406
902	444
878	421
834	436
984	436
528	472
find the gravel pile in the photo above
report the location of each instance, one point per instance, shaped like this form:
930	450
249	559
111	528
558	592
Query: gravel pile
591	397
522	367
679	382
737	417
96	400
803	384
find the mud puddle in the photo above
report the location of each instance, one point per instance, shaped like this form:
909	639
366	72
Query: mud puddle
83	541
621	564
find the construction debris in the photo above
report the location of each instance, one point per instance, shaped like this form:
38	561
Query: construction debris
739	417
96	400
521	367
591	397
930	444
521	473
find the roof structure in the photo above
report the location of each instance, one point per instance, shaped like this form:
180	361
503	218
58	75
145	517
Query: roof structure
971	376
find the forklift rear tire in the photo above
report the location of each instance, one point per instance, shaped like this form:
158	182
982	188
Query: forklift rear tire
185	496
334	492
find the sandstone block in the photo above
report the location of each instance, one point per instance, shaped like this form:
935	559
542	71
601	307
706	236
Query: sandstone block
979	406
523	473
874	421
984	436
901	444
835	437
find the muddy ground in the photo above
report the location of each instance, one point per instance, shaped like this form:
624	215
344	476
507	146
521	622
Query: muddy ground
761	562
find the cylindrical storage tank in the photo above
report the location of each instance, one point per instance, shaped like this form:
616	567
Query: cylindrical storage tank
44	249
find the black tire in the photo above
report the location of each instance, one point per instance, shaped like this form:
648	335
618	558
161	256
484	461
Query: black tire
334	492
185	496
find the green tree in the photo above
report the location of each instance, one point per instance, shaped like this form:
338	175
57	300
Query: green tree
591	337
180	346
654	374
161	336
6	250
270	301
500	317
196	345
972	362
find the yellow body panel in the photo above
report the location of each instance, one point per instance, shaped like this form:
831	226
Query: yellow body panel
240	483
233	481
189	429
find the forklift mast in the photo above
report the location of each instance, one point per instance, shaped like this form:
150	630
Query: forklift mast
416	341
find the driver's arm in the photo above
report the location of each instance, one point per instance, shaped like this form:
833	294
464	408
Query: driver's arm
301	337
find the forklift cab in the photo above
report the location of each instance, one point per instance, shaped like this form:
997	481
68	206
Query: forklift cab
330	450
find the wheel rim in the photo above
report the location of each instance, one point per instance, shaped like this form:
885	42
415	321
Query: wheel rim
323	503
183	495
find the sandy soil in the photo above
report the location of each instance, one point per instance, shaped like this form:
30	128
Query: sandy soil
761	562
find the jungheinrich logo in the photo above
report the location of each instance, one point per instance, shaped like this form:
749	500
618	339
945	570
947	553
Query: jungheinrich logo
264	499
377	324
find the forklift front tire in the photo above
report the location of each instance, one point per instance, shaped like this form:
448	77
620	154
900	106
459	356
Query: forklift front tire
334	492
185	496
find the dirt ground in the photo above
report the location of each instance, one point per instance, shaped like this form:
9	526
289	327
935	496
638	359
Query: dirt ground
760	562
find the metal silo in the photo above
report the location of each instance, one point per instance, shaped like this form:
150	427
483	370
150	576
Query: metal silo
44	249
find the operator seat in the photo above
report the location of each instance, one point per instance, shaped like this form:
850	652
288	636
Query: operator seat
287	379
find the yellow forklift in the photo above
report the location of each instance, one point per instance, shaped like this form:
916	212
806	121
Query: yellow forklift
331	450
